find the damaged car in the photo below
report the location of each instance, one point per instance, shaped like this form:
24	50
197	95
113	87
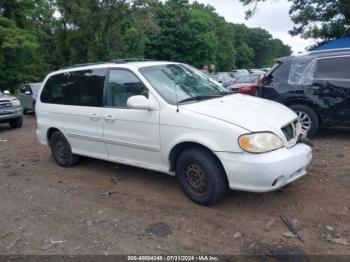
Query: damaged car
316	86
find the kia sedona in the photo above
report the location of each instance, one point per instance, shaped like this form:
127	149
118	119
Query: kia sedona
171	118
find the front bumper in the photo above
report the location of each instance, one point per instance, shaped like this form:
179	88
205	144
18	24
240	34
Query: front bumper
265	172
8	114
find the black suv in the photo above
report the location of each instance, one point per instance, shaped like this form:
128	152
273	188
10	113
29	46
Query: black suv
316	86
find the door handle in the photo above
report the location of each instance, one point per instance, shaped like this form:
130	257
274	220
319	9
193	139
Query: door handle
94	117
109	118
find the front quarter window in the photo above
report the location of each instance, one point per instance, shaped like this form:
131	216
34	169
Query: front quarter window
177	82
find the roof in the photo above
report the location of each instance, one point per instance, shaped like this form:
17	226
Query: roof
134	64
336	44
317	54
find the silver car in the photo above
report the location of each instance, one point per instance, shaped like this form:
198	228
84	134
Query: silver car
10	110
27	95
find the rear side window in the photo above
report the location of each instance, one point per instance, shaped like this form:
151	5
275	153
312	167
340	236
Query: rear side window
53	91
333	68
85	88
280	71
80	88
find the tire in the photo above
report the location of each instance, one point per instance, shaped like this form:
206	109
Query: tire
62	151
201	176
16	122
306	111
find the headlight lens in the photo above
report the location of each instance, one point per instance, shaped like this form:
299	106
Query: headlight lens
16	102
260	142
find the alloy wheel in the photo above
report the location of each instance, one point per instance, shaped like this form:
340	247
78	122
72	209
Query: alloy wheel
305	121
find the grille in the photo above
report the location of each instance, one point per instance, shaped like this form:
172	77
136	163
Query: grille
290	131
5	103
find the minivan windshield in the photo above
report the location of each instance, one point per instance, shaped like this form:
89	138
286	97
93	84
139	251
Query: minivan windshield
178	83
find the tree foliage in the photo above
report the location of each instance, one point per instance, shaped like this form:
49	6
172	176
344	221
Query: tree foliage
318	19
37	36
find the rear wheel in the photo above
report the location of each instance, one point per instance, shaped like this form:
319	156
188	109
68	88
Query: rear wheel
61	150
308	118
16	122
201	176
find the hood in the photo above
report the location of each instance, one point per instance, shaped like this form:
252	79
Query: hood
251	113
5	97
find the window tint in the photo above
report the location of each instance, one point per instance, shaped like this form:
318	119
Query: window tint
85	88
53	91
122	85
281	71
338	68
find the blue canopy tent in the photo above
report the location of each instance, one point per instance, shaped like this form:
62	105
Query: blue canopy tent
336	44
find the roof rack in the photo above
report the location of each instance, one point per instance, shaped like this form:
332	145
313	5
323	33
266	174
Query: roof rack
116	61
329	50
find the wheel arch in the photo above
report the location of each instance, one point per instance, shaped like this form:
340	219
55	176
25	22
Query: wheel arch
49	133
306	102
176	151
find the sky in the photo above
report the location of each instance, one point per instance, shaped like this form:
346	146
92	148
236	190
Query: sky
271	15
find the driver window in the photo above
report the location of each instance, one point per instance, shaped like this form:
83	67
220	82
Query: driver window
23	89
122	85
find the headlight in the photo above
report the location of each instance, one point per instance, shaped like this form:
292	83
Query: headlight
260	142
16	102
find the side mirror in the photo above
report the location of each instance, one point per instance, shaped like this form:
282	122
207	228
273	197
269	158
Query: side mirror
27	93
139	102
6	92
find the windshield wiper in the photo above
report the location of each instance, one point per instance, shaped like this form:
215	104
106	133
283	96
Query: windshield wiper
197	98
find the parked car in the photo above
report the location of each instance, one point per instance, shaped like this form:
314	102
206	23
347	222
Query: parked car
316	86
238	73
224	78
11	110
256	71
170	118
27	94
247	84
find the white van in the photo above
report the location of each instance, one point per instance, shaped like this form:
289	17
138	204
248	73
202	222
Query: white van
171	118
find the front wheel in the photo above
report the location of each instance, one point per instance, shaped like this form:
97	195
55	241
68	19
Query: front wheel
201	176
16	122
308	118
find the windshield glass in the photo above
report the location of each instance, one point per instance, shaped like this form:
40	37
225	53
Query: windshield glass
177	82
248	79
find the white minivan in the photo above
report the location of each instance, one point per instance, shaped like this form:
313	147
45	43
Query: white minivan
171	118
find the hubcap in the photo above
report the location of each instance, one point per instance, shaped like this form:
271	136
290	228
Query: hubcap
196	178
61	150
305	121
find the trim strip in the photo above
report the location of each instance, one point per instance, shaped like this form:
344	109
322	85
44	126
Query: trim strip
117	142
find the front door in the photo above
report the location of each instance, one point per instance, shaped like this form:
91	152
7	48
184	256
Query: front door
131	135
25	95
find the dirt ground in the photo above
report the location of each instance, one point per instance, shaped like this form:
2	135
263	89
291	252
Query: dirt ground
99	207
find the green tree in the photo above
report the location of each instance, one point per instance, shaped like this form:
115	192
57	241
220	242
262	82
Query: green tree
21	59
